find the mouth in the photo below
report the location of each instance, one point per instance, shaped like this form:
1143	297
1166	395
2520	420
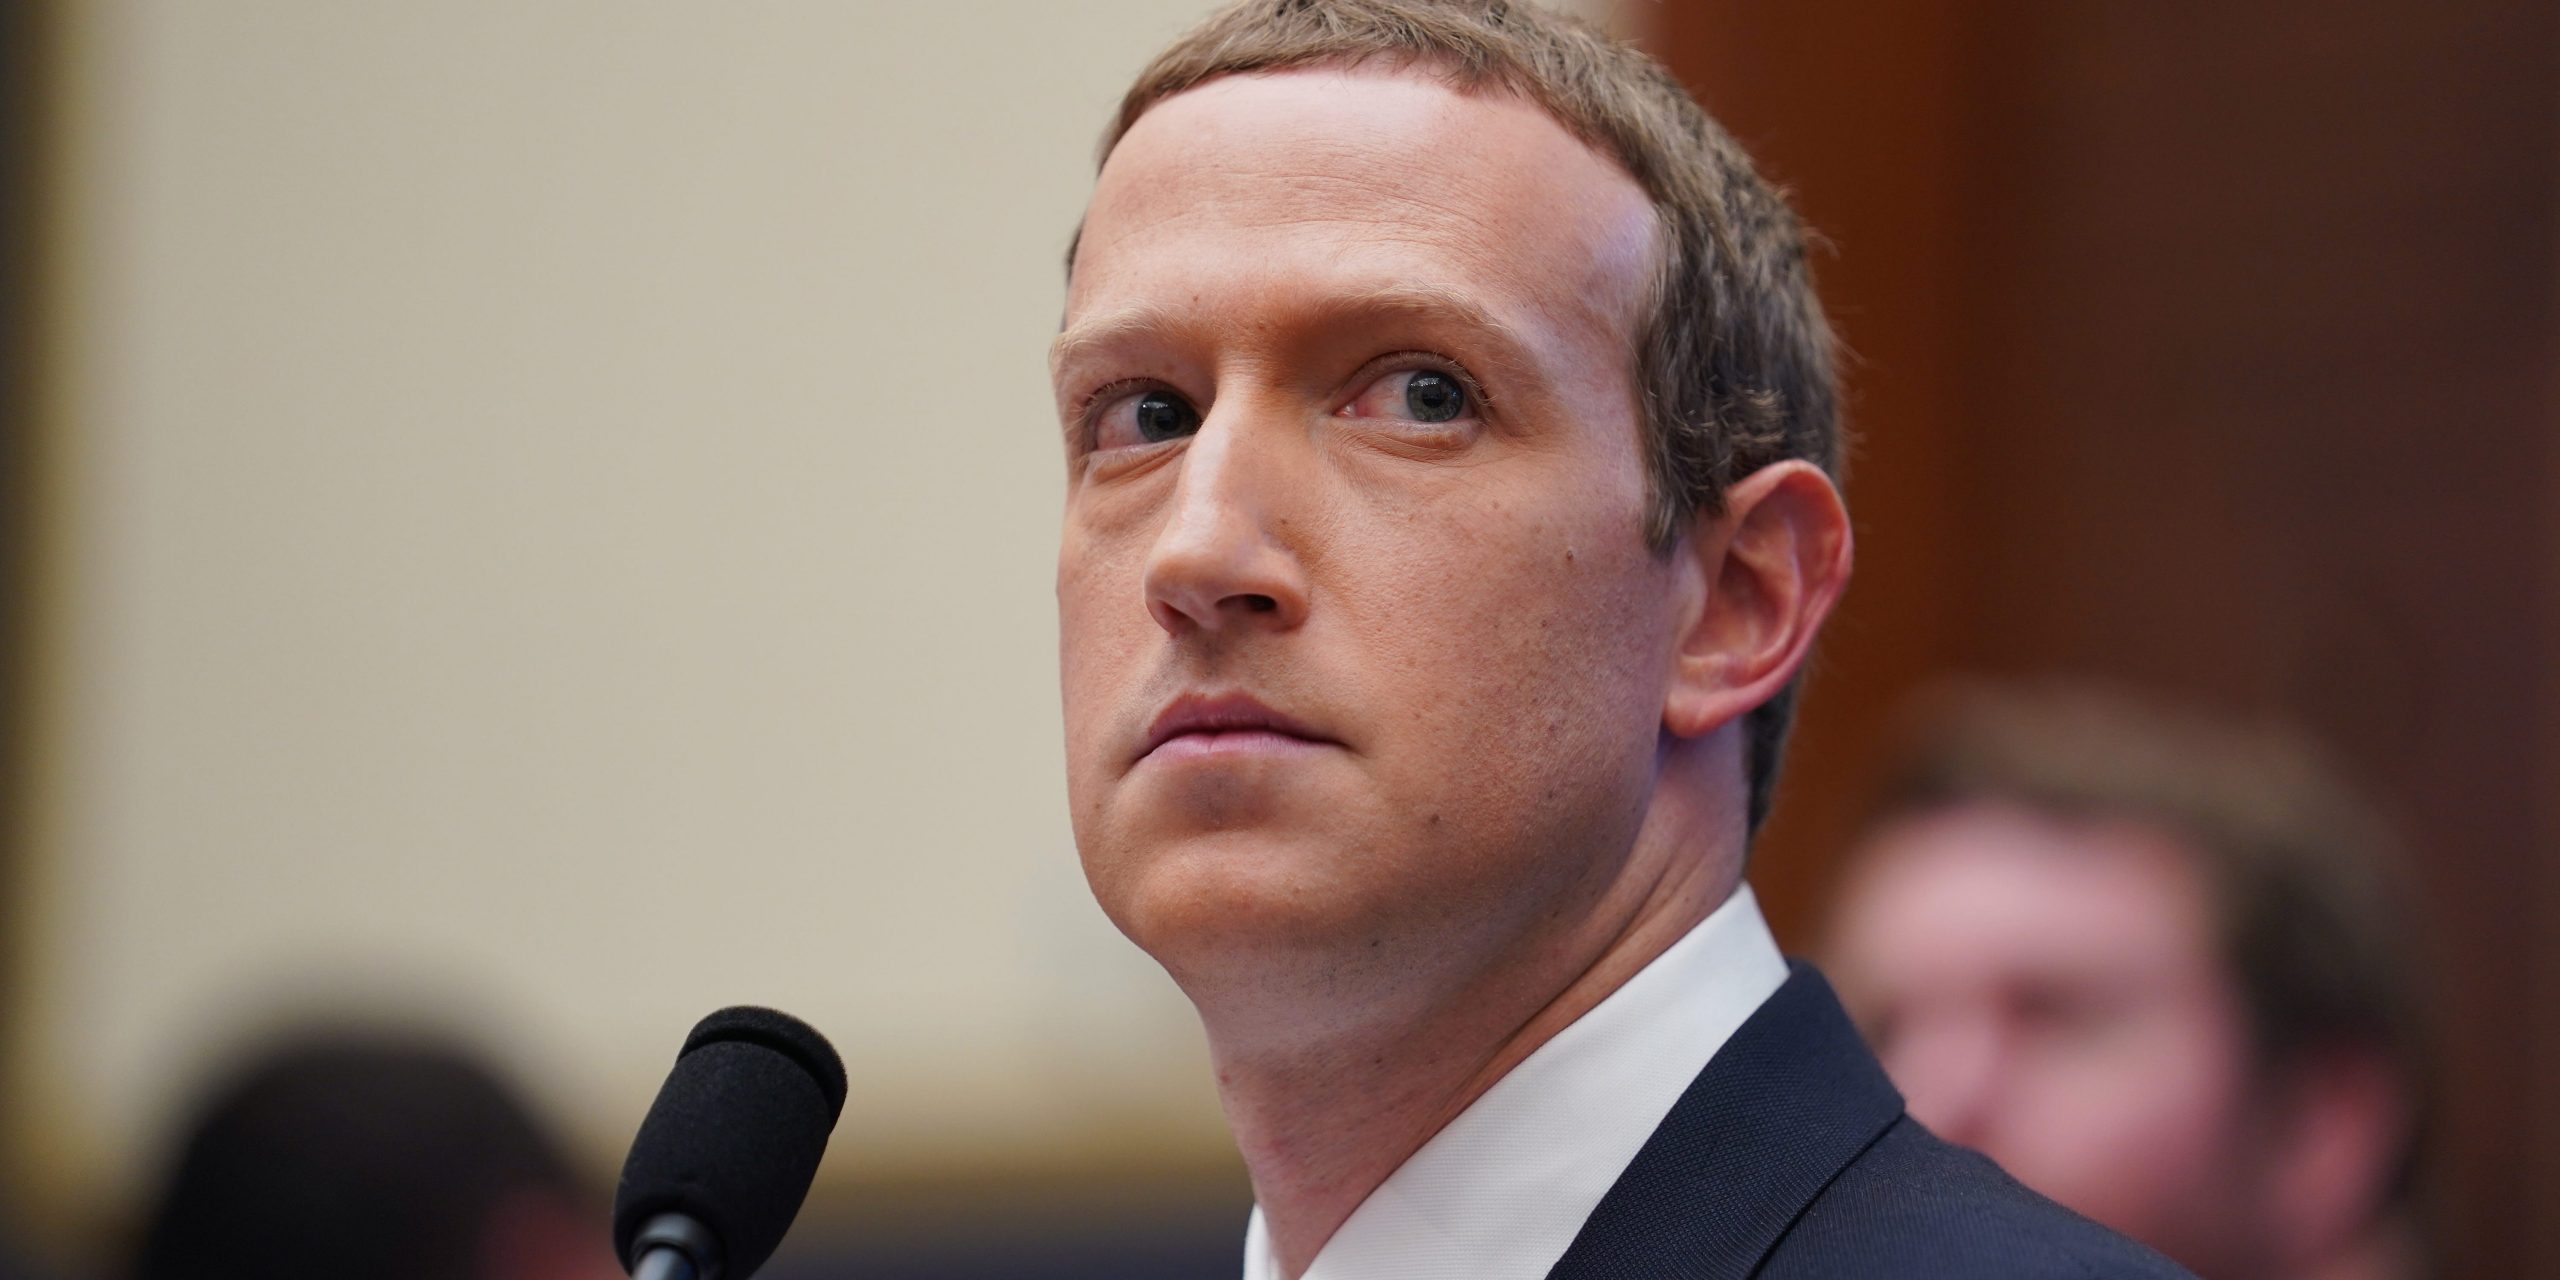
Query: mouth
1200	726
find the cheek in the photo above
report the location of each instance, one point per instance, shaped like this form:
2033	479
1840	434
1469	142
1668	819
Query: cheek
1527	642
1100	606
1103	628
2135	1138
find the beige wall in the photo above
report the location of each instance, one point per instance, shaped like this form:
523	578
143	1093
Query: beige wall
548	522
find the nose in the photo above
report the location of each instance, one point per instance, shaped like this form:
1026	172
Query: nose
1224	560
1950	1069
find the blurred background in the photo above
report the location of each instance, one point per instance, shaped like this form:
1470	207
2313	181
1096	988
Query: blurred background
532	521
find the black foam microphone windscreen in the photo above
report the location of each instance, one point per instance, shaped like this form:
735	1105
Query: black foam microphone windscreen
735	1135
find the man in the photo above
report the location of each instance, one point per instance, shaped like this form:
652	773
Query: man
1449	423
2149	963
333	1154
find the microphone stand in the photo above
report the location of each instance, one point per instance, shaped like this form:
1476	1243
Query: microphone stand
672	1246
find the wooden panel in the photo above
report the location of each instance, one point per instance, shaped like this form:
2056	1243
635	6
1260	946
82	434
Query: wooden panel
2211	348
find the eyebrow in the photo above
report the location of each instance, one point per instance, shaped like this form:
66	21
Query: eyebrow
1085	337
1510	351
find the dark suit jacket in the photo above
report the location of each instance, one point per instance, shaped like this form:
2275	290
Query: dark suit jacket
1790	1158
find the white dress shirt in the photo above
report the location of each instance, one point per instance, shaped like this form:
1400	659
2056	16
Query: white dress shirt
1502	1190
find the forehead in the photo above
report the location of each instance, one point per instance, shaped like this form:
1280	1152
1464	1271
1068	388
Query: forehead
1985	889
1257	189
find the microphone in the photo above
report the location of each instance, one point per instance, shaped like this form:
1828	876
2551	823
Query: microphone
727	1152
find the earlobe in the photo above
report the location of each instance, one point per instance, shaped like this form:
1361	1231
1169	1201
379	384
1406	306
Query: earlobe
1767	571
2347	1126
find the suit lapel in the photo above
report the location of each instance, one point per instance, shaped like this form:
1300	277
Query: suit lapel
1777	1113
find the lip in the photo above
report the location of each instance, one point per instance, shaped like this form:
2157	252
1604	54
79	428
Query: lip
1197	724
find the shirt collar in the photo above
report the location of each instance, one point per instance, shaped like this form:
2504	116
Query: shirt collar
1500	1191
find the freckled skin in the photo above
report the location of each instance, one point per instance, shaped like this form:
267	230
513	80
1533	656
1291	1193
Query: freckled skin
1482	626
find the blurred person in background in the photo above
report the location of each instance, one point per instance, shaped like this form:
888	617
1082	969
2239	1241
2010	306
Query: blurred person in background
2153	964
336	1155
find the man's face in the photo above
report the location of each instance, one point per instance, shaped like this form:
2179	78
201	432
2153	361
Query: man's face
1363	650
2050	993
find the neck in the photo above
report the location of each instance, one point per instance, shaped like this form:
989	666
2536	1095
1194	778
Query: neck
1321	1121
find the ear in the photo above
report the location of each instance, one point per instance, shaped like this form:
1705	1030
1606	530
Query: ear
1759	579
2344	1127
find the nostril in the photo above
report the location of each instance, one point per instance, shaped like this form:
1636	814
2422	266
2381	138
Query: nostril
1260	603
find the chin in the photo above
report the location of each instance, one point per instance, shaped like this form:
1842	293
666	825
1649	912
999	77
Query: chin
1207	897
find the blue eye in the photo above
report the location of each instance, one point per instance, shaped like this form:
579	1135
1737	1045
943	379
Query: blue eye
1162	415
1417	398
1432	396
